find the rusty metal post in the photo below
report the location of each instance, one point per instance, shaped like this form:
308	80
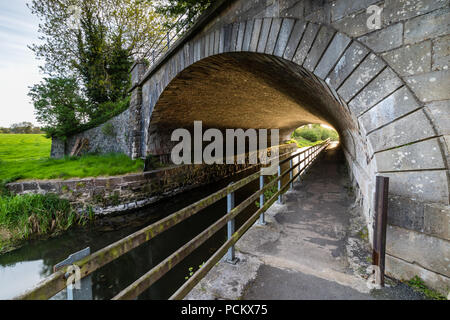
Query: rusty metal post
379	237
231	229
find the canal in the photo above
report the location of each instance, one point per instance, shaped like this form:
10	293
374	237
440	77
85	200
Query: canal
26	266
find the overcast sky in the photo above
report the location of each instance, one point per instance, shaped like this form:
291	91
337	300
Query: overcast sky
18	66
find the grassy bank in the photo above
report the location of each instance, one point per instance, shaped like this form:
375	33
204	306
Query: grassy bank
80	167
33	216
27	157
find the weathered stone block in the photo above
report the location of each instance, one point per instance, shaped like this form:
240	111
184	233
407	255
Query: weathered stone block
48	186
406	213
273	35
264	35
306	43
234	35
197	50
320	14
380	87
398	10
29	186
15	188
428	186
331	56
291	8
207	54
430	86
384	39
240	36
417	156
441	53
294	39
430	25
343	8
400	132
400	269
414	247
224	37
439	111
361	76
283	37
349	61
321	42
353	25
210	50
248	35
216	43
397	104
437	220
410	59
132	178
255	35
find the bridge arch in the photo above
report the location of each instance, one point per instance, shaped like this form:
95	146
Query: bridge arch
333	79
369	104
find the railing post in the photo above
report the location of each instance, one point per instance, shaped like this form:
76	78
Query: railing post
280	197
262	220
299	166
230	228
168	40
291	174
379	238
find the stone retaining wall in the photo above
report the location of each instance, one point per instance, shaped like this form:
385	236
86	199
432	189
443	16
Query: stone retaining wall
122	193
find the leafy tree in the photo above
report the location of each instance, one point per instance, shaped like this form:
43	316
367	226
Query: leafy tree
21	128
59	105
90	59
104	66
187	10
134	22
315	133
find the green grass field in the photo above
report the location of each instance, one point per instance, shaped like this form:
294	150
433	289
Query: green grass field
24	146
28	157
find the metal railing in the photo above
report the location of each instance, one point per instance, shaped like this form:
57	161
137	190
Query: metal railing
86	266
161	45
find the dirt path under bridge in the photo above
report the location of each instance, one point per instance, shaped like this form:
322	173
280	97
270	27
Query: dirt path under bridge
312	247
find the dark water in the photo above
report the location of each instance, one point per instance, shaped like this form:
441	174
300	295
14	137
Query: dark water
25	267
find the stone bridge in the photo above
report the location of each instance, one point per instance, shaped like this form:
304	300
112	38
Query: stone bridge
286	63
